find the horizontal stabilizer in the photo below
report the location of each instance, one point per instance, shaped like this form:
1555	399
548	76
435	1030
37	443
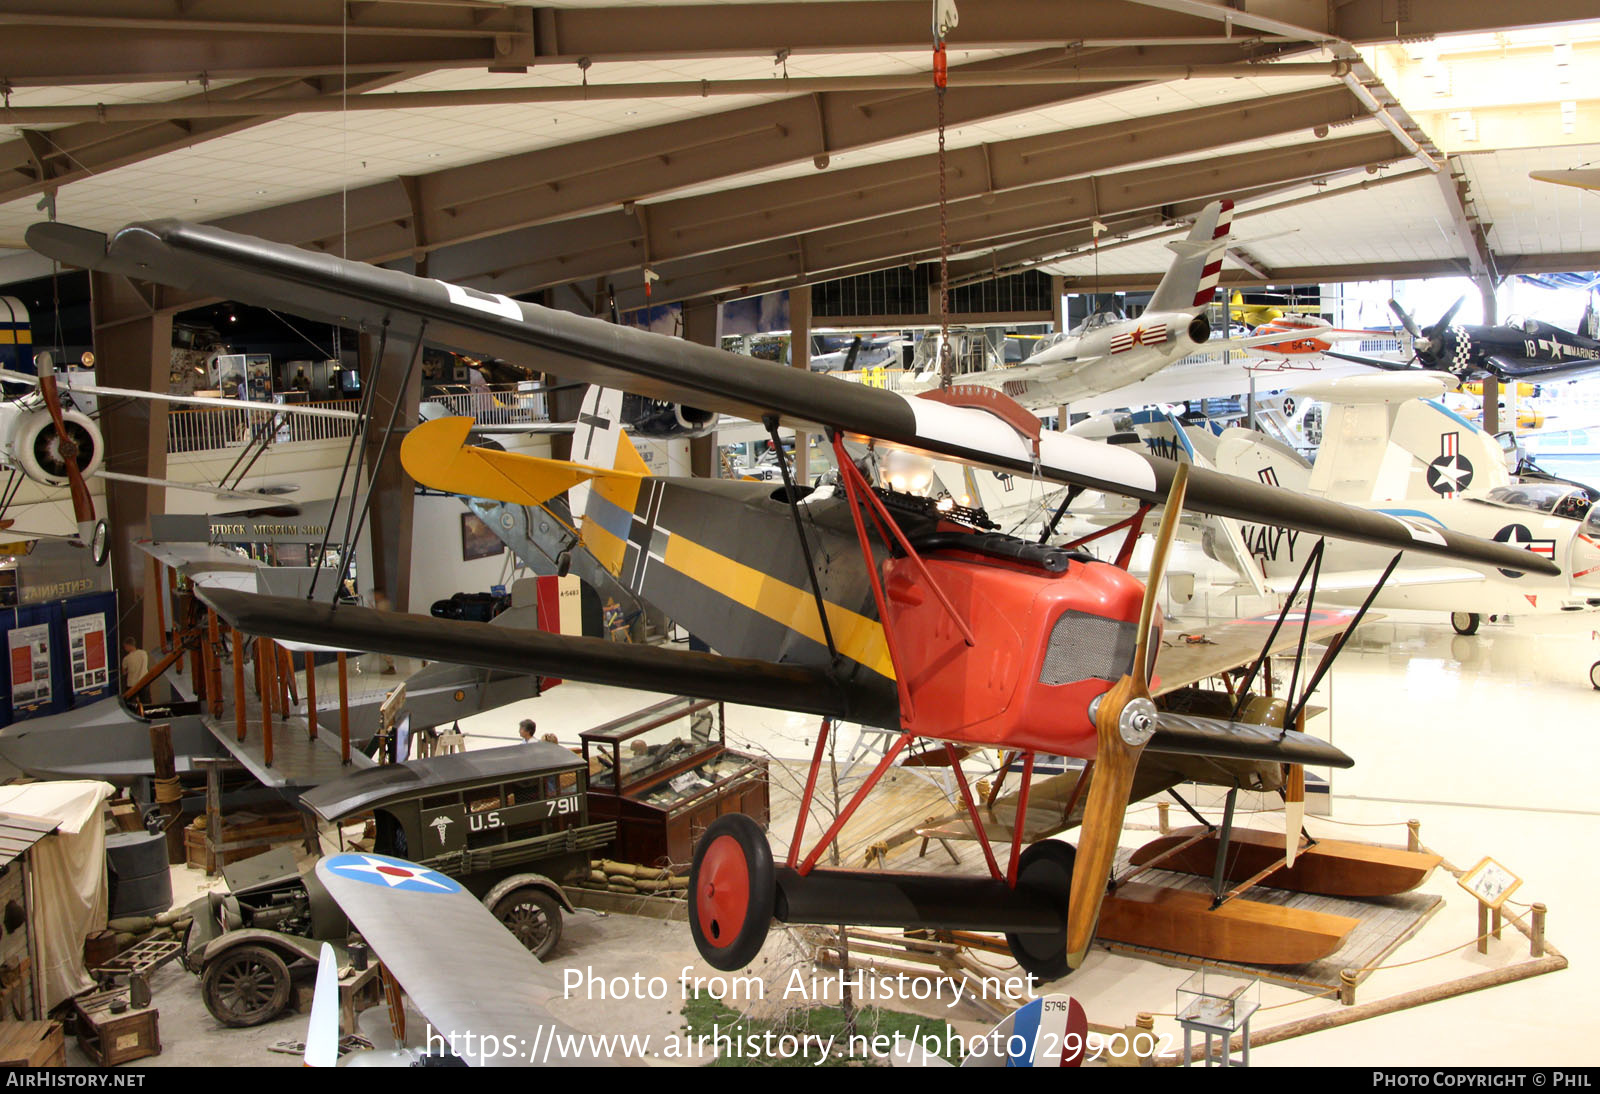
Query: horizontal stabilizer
1187	735
437	455
596	660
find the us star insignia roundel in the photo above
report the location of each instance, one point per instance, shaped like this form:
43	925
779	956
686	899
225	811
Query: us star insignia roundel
1451	473
1518	535
392	873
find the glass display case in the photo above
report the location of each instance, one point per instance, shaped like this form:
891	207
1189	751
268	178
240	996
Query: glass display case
664	773
1217	1005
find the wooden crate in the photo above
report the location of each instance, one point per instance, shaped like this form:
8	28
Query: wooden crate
110	1039
32	1044
244	835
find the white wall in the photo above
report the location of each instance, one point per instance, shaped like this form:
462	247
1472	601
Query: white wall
437	569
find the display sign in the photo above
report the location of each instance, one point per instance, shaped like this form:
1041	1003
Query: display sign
30	666
86	645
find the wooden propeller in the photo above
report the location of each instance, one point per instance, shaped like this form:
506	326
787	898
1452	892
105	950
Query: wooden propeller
82	503
1125	718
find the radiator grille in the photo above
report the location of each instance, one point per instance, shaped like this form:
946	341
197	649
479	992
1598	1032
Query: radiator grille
1087	647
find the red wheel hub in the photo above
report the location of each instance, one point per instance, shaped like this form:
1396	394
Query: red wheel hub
722	896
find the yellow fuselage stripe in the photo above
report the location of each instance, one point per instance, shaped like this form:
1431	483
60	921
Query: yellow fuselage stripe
856	636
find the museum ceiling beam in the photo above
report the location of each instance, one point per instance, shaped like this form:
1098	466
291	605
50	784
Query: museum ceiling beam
603	34
1368	21
1336	273
678	228
499	195
45	160
1044	250
977	222
55	42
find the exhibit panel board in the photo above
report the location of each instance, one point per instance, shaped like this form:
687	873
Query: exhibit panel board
60	655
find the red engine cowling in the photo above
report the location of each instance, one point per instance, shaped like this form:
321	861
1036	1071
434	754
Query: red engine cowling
1047	644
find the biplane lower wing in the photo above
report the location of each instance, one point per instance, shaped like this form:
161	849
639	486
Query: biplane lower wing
1182	735
486	998
1193	656
216	262
596	660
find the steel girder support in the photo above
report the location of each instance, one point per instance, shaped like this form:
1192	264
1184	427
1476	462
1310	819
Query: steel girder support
1471	232
483	199
1368	21
47	160
1016	216
684	227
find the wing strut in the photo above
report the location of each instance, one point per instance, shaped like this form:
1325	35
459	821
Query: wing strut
350	454
1250	677
771	422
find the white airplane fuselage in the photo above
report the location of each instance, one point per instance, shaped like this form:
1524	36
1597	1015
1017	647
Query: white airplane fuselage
1108	357
1573	544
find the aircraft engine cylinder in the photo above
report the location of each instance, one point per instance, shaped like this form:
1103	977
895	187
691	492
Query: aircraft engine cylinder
1199	329
693	421
34	446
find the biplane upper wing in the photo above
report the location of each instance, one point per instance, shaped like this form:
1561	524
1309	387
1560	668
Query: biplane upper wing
216	262
484	995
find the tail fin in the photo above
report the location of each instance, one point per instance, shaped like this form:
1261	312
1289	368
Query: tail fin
600	441
1589	325
1192	278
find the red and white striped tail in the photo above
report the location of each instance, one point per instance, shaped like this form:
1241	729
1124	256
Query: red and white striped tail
1213	268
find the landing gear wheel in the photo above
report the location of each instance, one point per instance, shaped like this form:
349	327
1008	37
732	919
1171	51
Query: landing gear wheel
732	890
534	916
246	986
1465	622
1594	675
1046	868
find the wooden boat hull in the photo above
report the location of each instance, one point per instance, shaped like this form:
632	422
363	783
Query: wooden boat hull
1332	867
1242	931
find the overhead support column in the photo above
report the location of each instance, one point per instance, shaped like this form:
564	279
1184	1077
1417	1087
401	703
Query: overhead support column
390	521
800	357
1491	386
702	323
1058	322
133	349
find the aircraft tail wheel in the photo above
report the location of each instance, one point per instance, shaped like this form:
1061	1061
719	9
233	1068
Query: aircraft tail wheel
563	563
1046	868
1594	675
1465	622
732	890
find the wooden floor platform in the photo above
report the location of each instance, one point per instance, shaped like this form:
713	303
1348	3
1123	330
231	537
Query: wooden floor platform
298	762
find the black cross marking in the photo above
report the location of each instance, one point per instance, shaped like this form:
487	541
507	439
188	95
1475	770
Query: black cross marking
596	424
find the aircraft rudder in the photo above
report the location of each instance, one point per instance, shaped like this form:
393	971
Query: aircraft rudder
1191	280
